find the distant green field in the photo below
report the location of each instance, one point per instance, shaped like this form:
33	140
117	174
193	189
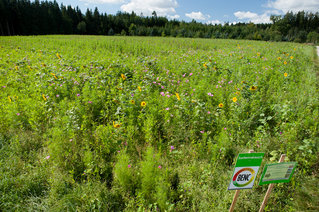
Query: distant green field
92	123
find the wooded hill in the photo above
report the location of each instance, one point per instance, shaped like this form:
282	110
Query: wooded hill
23	17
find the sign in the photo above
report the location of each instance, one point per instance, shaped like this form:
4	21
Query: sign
246	169
277	173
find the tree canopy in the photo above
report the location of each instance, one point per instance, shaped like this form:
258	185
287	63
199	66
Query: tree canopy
23	17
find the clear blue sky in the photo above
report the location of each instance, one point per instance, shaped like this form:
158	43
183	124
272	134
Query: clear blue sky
206	11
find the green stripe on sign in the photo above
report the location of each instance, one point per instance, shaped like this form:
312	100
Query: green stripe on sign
249	159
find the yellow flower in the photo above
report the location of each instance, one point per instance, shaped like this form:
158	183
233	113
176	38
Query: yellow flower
123	76
29	67
291	57
285	62
179	98
285	74
139	88
57	54
54	75
143	104
278	58
9	99
45	99
205	66
287	54
258	54
132	102
235	99
116	125
16	67
221	105
43	65
253	88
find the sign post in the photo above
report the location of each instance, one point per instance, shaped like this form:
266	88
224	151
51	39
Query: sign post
270	187
246	169
276	173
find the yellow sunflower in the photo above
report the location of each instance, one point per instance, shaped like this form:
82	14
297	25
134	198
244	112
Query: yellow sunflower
132	102
234	99
123	76
253	88
178	97
143	104
221	105
285	74
116	125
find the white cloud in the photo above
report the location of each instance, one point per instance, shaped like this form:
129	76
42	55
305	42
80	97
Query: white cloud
245	15
104	1
197	16
161	7
294	5
173	16
253	17
274	12
213	22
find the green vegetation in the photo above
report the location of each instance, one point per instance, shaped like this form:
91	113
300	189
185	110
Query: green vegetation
25	17
128	123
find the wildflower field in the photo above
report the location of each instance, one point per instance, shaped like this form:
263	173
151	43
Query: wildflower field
92	123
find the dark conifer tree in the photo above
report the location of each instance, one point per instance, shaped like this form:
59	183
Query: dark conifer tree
23	17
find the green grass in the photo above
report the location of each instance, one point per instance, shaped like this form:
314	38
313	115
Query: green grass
76	135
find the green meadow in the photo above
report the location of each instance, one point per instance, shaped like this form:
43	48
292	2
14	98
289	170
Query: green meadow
95	123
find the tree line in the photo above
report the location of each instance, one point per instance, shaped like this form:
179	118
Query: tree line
23	17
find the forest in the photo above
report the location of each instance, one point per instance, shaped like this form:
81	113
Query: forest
23	17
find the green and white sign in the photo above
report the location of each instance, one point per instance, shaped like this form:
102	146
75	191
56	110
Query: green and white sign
277	173
246	169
